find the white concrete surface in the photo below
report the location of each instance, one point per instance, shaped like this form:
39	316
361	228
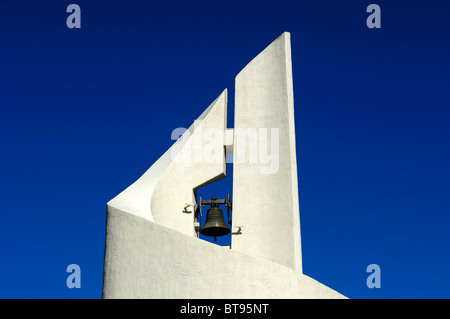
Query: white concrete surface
147	260
267	204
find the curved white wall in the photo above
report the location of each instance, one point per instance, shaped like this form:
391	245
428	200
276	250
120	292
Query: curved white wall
147	260
162	192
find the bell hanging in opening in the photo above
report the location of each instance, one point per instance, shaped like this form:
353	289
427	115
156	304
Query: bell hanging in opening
214	224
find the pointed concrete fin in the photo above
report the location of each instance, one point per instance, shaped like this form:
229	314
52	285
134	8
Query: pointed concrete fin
162	192
265	190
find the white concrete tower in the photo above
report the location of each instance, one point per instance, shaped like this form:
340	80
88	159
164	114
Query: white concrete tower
265	195
152	248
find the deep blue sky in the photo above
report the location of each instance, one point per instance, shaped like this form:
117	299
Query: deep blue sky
84	112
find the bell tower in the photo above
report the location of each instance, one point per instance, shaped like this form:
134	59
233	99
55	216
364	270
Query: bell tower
152	246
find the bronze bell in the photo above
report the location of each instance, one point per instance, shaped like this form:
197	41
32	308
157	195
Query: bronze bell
214	224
